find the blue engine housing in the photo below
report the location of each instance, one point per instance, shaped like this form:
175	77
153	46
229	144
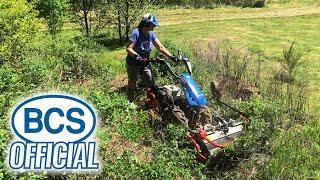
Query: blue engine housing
193	94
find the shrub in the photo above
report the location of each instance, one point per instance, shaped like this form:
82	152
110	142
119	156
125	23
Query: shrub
71	59
289	87
234	71
290	63
33	71
248	3
281	106
18	25
53	12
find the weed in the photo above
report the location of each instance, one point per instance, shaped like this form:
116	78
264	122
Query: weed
229	68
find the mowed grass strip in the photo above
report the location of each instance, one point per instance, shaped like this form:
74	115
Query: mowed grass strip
183	16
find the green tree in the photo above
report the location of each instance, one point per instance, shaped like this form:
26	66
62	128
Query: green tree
18	24
82	11
128	12
53	11
92	15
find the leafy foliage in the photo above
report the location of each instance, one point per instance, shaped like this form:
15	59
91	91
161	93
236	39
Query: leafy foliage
127	13
169	160
92	15
18	26
53	11
295	150
289	64
275	138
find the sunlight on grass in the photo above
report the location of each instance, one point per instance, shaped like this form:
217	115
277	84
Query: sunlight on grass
268	35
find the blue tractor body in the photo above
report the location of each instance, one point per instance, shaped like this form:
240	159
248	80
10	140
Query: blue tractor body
193	94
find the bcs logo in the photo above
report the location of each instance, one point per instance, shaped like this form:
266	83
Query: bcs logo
53	132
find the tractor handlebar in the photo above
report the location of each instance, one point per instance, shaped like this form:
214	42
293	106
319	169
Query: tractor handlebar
162	62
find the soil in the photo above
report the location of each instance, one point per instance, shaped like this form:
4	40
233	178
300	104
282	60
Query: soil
119	83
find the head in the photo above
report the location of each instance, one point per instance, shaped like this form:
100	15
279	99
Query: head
148	22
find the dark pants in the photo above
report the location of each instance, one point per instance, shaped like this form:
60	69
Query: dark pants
135	72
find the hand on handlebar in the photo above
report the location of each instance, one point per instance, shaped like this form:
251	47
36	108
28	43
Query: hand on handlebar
141	59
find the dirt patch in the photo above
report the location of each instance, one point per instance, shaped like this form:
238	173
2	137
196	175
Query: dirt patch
119	83
119	145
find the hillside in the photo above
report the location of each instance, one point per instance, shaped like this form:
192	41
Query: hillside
282	141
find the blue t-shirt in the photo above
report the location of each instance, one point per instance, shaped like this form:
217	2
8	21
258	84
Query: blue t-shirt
142	44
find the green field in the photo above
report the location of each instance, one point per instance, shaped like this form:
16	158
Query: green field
268	30
269	35
127	146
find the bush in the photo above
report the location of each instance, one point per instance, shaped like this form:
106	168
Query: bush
235	72
279	108
53	12
83	59
33	71
64	59
247	3
288	85
18	25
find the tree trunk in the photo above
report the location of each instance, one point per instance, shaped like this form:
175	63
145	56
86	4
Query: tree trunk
127	20
85	14
119	25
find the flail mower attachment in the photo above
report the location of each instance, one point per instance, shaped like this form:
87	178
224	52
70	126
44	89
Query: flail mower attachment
211	138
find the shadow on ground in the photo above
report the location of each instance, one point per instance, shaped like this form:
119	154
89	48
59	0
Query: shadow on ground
111	43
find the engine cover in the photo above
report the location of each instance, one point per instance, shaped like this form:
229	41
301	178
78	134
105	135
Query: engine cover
193	94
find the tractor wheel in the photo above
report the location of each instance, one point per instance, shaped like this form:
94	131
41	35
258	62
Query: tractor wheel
157	123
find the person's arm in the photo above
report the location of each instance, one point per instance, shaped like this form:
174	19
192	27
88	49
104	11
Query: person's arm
131	52
132	41
161	48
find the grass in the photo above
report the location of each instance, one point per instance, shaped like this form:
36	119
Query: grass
187	16
268	30
294	3
123	136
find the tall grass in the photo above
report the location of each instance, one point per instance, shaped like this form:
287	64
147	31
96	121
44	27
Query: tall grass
274	105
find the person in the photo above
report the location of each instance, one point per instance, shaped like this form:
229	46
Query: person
141	42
